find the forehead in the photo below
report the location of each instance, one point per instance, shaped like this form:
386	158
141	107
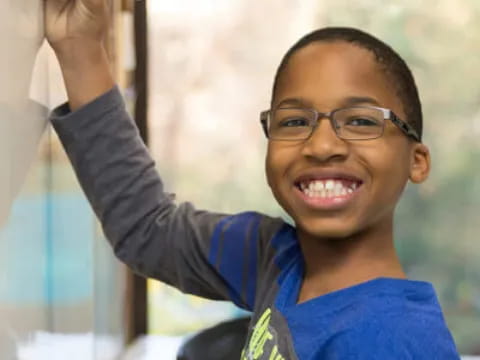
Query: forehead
326	73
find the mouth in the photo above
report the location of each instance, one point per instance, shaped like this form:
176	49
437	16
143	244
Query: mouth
329	192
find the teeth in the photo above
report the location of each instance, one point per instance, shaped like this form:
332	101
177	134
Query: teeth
330	184
327	188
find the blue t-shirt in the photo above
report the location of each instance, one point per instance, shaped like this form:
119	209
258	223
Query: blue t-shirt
384	318
250	259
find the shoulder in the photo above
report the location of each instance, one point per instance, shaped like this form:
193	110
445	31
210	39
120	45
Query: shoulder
403	334
249	225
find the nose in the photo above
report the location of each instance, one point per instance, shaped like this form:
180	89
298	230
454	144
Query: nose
324	145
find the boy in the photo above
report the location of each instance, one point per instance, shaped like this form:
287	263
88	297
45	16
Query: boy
344	134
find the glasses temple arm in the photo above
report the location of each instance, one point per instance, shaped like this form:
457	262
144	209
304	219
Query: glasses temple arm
405	127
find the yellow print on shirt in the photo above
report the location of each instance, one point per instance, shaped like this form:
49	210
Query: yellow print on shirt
262	336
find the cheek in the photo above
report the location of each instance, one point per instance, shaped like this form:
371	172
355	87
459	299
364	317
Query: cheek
279	159
271	165
390	172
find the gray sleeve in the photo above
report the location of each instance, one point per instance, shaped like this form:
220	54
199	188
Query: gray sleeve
147	230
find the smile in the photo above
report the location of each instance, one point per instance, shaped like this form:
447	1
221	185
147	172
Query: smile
328	188
327	193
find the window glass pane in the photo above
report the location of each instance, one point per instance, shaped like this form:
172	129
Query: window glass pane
61	290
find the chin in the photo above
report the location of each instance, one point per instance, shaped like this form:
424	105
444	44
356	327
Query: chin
328	229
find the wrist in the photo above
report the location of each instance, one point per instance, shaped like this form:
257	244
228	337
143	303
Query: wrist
86	71
72	54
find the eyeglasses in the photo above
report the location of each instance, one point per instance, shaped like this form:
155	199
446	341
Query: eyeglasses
352	123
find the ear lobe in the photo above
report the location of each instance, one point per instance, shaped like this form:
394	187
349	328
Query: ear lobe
420	163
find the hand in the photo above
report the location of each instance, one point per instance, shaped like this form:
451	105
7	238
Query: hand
76	30
72	22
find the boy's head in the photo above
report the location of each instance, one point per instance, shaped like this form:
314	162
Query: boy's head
394	67
347	176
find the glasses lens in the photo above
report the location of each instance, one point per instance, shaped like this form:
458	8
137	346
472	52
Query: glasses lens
291	124
359	123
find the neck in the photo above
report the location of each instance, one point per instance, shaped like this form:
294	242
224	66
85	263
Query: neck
334	264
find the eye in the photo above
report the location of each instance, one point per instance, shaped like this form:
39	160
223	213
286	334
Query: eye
362	121
294	122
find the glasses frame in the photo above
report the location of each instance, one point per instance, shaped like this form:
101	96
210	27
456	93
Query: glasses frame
388	114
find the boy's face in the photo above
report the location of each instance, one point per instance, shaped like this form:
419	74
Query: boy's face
364	179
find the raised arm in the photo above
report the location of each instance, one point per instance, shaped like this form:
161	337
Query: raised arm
207	254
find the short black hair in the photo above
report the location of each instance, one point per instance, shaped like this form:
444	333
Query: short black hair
391	62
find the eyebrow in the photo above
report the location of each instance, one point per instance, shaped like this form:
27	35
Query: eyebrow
358	100
348	101
295	102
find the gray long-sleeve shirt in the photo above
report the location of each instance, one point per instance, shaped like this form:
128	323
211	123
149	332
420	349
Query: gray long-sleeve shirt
148	231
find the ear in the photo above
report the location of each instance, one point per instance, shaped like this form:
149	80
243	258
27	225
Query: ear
420	163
